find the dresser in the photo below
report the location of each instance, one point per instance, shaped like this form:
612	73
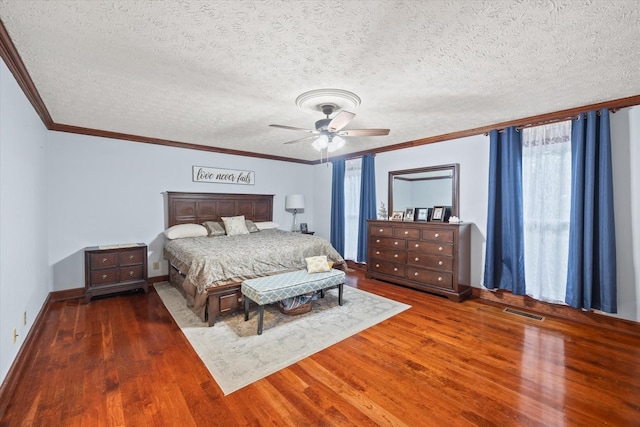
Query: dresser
429	256
114	268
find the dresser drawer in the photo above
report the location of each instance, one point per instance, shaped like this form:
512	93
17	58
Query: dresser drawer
381	230
413	233
434	262
388	243
104	276
131	257
388	254
434	248
438	235
387	268
434	278
129	273
104	260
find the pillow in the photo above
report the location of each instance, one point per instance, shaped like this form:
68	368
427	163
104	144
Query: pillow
235	225
251	226
214	228
181	231
266	225
317	264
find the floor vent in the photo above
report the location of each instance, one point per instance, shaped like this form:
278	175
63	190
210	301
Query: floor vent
523	314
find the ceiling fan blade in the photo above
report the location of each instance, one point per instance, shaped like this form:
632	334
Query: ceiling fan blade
300	140
364	132
341	120
294	128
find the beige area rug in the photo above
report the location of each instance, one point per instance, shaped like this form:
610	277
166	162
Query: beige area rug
237	356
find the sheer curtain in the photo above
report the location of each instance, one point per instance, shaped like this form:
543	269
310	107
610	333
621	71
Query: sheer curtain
546	190
352	184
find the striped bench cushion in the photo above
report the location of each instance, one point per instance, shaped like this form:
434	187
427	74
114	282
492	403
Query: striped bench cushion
268	289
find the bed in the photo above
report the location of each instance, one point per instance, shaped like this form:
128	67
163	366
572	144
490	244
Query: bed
209	271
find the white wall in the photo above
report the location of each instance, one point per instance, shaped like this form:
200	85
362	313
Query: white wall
104	191
24	281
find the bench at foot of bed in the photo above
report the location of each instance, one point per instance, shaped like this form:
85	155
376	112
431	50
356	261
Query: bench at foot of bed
268	289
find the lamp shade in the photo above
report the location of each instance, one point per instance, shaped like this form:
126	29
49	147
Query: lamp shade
294	201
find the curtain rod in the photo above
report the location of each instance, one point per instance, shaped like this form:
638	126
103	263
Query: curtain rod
550	121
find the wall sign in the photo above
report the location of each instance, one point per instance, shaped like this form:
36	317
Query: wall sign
223	176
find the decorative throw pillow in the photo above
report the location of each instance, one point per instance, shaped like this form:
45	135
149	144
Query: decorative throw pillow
181	231
266	225
317	264
235	225
251	226
215	228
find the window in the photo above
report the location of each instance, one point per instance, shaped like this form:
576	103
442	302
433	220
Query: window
352	183
546	193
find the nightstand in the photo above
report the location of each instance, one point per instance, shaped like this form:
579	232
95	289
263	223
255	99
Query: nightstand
114	268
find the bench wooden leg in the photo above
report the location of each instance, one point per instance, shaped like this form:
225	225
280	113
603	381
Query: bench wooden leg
260	318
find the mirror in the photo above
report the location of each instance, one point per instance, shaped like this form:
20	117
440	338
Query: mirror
424	188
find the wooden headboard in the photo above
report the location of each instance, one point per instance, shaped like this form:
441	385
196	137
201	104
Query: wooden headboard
196	208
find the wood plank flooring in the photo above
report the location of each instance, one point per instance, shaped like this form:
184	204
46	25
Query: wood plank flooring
122	361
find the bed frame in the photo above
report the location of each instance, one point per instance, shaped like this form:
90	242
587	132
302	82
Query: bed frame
196	208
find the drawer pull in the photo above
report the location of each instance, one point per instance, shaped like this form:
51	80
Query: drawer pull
377	240
395	269
131	257
104	260
240	299
395	256
406	232
439	279
104	276
440	248
417	259
395	243
417	245
415	274
377	252
437	234
381	230
131	274
377	265
440	262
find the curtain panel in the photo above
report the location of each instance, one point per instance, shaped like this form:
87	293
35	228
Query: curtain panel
367	203
504	258
337	205
591	275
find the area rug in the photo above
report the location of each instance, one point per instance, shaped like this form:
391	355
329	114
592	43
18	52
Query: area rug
237	356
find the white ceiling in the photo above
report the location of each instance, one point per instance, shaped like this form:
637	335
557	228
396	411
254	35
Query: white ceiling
217	73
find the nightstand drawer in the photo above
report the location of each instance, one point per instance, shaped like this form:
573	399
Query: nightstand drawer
131	257
104	276
131	273
104	260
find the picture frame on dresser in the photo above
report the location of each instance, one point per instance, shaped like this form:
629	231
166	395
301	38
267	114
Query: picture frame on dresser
409	214
422	214
437	214
397	216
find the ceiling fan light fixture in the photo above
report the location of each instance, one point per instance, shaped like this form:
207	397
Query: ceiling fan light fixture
335	144
321	142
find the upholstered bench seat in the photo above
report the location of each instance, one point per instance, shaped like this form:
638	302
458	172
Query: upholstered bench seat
268	289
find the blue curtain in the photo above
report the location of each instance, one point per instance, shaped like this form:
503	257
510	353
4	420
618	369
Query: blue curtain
337	206
591	277
504	258
367	203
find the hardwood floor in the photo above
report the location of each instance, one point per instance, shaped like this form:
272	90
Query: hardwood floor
123	361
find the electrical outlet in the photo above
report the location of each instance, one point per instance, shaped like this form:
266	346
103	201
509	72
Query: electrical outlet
24	318
15	335
156	265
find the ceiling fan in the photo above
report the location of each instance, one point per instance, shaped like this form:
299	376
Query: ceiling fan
329	132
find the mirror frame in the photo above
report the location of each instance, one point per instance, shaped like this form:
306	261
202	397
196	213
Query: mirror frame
455	189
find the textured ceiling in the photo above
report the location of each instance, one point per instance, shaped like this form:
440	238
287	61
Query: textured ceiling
217	73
